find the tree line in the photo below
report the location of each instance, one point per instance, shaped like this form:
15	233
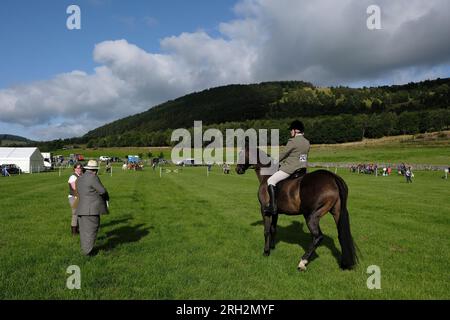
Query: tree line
331	115
322	129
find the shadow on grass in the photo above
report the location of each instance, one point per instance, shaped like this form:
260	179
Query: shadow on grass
114	222
294	234
125	234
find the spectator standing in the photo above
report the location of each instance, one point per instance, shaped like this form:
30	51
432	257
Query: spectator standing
73	196
93	203
408	175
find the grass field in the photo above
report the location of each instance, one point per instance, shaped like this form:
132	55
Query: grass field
189	236
433	148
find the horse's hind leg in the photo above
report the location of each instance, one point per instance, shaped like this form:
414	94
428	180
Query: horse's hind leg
312	221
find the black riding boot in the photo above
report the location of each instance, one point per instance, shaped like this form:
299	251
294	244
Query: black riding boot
272	208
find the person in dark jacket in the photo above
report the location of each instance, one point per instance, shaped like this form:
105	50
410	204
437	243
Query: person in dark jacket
92	203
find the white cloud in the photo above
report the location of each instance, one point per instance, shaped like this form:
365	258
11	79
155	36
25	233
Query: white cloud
324	41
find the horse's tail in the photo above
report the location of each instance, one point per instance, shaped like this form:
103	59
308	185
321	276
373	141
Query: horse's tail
349	257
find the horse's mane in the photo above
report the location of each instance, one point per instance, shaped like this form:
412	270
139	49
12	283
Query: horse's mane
265	164
263	159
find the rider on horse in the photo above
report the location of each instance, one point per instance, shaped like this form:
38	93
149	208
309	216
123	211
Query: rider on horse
294	157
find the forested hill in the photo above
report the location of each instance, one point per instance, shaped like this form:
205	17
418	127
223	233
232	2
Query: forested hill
217	105
9	139
276	100
331	115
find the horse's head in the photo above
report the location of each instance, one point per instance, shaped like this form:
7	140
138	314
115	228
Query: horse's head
243	161
251	158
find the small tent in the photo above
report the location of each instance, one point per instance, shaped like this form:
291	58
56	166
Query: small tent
29	160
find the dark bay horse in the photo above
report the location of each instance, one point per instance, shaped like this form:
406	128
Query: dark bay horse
311	195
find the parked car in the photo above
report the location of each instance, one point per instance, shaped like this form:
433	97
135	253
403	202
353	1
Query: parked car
186	162
10	168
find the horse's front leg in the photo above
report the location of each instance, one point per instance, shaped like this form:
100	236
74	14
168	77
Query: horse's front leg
273	231
267	219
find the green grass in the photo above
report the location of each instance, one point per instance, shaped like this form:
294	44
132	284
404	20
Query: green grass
417	154
189	236
430	148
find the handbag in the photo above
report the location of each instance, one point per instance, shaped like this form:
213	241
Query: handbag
77	199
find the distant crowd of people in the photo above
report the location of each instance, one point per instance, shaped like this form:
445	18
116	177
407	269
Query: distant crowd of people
133	166
371	168
365	168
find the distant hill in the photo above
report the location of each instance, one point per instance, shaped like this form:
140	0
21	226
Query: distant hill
278	100
216	105
331	115
12	140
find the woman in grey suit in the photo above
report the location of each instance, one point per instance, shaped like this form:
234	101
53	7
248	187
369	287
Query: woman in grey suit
93	198
294	157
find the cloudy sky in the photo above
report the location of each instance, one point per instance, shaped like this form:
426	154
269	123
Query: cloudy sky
131	55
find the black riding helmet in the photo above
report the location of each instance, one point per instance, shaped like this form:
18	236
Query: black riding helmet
297	125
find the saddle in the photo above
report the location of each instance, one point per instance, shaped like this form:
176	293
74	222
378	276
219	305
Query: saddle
297	174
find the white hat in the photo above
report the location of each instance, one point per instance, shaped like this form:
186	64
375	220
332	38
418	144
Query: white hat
91	165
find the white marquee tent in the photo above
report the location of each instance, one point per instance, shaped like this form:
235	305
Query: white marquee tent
29	160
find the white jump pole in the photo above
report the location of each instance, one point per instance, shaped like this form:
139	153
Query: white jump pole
111	170
160	172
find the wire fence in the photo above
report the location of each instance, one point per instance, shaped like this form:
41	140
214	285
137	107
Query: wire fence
348	165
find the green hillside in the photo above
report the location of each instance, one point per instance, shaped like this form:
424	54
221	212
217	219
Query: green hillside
217	105
12	140
331	115
278	100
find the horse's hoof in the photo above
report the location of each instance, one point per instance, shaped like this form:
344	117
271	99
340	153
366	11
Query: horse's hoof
302	265
266	253
272	247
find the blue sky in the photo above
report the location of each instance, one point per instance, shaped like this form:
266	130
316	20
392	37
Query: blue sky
132	55
37	45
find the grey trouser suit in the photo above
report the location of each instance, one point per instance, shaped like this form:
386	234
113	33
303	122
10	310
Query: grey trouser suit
92	204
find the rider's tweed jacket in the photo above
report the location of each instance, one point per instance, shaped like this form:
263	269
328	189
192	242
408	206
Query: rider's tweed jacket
295	154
